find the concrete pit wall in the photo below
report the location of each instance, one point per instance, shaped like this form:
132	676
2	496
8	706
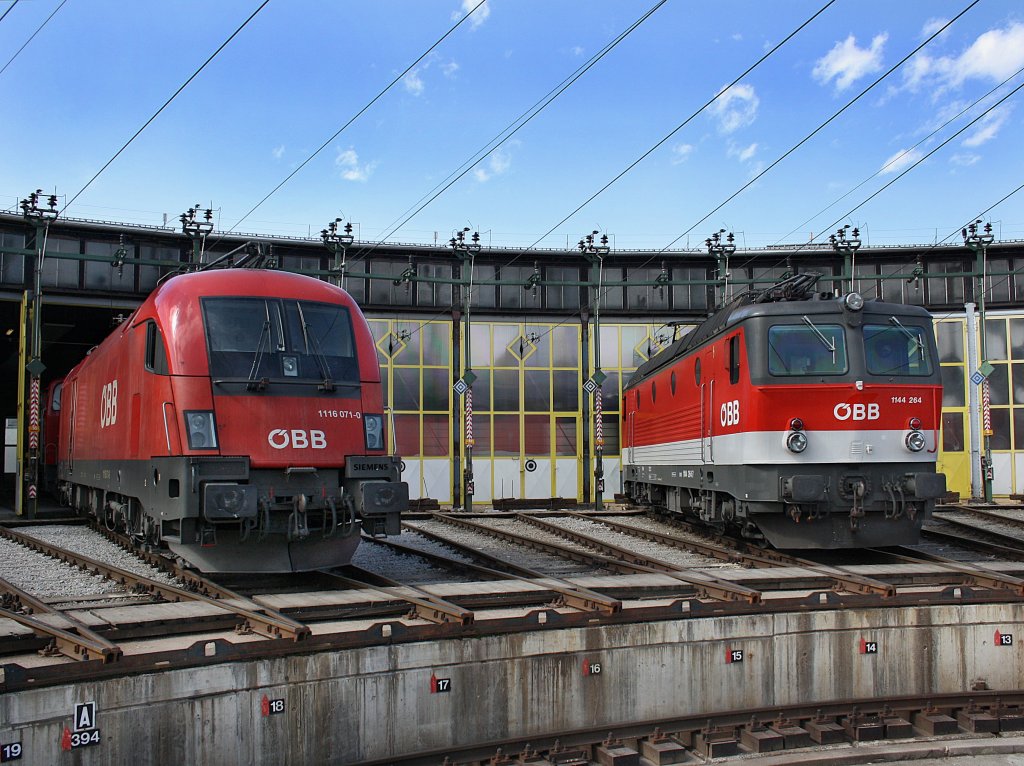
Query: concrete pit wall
375	703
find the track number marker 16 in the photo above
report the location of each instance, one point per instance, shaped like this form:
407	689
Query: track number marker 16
730	413
108	404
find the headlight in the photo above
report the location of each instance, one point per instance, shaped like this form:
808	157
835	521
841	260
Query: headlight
796	441
915	441
854	301
374	427
202	432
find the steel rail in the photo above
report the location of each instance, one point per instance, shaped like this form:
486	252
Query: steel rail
706	585
971	576
424	605
1013	554
264	624
1014	542
79	643
572	595
850	582
197	583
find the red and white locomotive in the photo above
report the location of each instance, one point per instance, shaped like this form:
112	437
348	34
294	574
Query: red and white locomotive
236	417
800	418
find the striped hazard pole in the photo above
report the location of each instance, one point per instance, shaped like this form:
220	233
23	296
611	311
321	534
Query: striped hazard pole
986	409
33	414
599	447
598	419
33	430
469	418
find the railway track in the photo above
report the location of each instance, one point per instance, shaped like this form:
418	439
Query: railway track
448	575
854	731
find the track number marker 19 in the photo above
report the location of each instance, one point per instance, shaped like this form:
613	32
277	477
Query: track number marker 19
10	752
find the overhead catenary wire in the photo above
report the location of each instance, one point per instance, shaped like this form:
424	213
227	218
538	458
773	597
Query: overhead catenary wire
514	127
660	143
167	103
32	36
823	125
9	9
354	117
904	154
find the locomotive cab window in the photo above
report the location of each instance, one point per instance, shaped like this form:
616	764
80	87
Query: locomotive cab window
734	359
808	349
156	354
287	341
896	349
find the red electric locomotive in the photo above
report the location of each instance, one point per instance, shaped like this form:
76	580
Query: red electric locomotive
796	417
236	417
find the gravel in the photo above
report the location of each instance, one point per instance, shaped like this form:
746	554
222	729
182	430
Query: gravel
48	579
86	542
403	567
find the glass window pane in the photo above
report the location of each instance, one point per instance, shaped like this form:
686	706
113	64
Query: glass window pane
565	436
1018	383
407	342
506	391
537	390
482	390
436	343
436	435
609	346
1018	427
1000	428
541	357
407	433
12	266
798	350
998	385
953	386
567	394
57	271
435	389
482	435
481	344
565	347
504	336
407	389
1017	338
610	391
483	295
995	339
506	435
537	433
953	431
950	338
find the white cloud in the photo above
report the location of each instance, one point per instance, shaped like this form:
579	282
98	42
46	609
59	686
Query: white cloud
903	159
348	162
987	127
278	152
846	63
681	152
478	18
497	163
450	68
932	26
737	37
965	160
994	56
736	108
577	51
742	153
413	82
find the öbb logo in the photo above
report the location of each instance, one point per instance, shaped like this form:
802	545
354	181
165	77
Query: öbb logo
281	438
846	411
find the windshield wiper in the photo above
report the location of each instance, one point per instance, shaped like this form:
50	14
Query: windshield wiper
253	384
914	338
318	355
829	344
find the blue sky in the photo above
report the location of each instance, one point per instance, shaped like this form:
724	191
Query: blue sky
301	69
